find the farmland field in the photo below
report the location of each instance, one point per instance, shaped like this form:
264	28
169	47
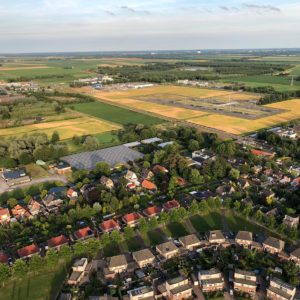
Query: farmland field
115	114
263	116
66	128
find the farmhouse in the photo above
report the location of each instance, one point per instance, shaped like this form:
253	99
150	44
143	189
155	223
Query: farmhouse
17	176
113	156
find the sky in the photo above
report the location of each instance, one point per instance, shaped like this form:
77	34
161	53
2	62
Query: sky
117	25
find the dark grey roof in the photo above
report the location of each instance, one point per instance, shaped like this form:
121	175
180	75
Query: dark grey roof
14	174
114	155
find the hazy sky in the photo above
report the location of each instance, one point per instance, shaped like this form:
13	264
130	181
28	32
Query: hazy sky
98	25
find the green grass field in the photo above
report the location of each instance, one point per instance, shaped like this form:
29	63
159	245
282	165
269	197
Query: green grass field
280	83
44	286
115	114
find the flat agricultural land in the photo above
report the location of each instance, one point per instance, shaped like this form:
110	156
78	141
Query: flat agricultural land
115	114
66	128
169	102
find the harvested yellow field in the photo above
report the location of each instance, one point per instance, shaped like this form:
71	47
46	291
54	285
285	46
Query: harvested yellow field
66	128
239	126
136	99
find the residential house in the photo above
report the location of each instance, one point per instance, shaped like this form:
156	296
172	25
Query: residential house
152	211
181	181
72	194
245	282
62	168
295	256
28	251
224	190
148	185
34	207
261	153
167	249
109	225
291	222
143	257
211	280
83	233
158	169
132	219
280	290
216	237
117	264
14	177
178	288
190	242
20	212
244	239
131	177
170	205
57	242
3	258
107	182
146	174
143	292
78	271
273	245
4	216
52	202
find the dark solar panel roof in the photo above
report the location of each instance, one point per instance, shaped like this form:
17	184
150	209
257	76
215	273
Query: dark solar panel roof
113	156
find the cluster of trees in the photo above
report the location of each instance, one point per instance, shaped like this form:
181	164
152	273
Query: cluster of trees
276	96
283	146
29	148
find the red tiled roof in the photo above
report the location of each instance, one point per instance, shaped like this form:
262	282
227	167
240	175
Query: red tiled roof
132	217
3	257
180	181
146	184
3	212
159	169
28	250
261	153
109	225
152	211
296	180
57	241
171	204
83	232
70	192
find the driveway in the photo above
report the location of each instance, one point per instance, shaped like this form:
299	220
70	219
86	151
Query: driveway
5	188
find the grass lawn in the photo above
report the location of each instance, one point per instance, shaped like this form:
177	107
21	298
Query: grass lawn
154	237
211	221
176	230
36	171
35	287
115	114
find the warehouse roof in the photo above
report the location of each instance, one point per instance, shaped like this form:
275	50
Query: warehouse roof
113	155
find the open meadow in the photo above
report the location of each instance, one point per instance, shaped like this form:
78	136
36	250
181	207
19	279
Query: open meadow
247	118
66	128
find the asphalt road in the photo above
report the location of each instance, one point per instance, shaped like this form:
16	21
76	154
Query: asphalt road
5	188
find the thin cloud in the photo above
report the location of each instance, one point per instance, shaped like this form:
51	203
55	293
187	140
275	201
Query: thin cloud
261	8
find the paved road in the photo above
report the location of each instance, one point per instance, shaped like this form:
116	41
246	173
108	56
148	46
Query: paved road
4	187
198	292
